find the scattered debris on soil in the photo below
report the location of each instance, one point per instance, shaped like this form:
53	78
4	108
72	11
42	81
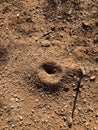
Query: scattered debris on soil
49	65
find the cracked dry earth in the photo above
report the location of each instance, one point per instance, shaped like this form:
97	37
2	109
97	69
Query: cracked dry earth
49	65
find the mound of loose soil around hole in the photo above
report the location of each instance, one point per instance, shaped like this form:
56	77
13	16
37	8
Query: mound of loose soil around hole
49	65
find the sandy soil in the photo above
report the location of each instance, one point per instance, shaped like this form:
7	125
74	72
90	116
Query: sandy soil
49	65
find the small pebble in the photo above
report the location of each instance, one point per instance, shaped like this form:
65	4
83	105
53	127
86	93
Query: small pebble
92	78
33	111
45	43
17	15
61	125
83	70
85	24
69	121
36	100
52	116
97	115
13	126
64	118
79	109
96	122
74	85
95	128
20	118
16	99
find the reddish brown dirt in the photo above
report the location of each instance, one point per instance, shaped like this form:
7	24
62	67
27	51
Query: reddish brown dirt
48	65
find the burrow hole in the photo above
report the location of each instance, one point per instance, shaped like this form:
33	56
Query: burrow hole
51	68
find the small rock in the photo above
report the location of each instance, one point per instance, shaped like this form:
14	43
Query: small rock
92	78
17	15
97	115
52	116
83	70
96	121
35	120
16	99
85	25
5	108
87	124
12	107
64	118
81	85
45	43
13	126
74	85
21	118
74	95
33	111
79	109
36	100
61	125
95	128
69	121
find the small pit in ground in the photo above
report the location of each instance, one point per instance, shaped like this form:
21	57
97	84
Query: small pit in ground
51	68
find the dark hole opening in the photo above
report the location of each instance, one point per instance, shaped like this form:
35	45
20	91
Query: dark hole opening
51	68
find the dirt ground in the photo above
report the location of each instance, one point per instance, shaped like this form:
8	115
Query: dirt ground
48	64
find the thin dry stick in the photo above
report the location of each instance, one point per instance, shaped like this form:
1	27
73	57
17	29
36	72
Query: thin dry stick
77	91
